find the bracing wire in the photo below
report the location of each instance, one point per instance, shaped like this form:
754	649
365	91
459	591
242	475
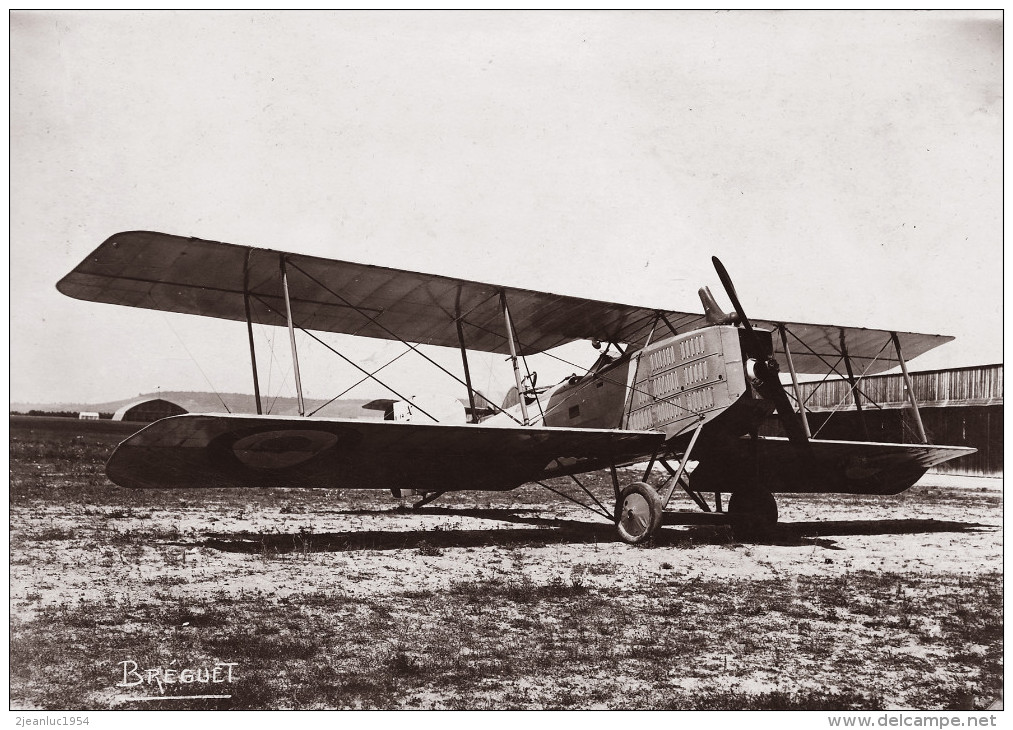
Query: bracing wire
270	360
834	366
414	348
575	501
270	370
363	370
853	390
194	360
353	364
588	492
374	321
281	388
361	381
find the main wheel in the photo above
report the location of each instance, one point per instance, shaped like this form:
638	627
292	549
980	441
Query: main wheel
638	513
753	514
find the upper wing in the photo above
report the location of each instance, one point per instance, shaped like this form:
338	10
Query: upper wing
194	276
273	451
190	275
817	349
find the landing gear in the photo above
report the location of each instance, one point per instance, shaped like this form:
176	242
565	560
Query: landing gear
427	497
638	513
752	514
402	495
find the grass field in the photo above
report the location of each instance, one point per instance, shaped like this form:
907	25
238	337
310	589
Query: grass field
332	598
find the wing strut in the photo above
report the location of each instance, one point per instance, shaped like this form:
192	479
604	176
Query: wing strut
667	324
854	387
291	336
910	390
249	329
794	381
625	418
464	356
513	356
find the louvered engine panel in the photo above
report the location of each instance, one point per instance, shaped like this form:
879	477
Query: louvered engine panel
685	378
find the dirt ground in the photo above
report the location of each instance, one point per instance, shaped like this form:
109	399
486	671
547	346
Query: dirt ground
331	598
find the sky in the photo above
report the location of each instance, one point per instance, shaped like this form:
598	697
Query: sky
845	166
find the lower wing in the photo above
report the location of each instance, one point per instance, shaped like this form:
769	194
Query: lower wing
269	451
853	467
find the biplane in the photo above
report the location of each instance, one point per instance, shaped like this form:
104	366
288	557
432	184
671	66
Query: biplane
683	392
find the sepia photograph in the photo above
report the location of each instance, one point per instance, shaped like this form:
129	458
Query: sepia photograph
507	360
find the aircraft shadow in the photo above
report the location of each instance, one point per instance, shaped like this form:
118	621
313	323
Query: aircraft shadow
508	514
697	529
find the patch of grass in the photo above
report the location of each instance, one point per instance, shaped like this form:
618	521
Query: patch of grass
420	595
780	700
65	451
167	581
976	617
520	590
326	649
258	646
597	568
142	535
425	548
197	614
52	533
330	600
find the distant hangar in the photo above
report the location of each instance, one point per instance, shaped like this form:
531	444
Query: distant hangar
147	411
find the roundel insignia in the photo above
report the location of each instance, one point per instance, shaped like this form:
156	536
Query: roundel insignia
282	449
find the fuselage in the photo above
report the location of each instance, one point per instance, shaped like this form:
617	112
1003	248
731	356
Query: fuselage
673	385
